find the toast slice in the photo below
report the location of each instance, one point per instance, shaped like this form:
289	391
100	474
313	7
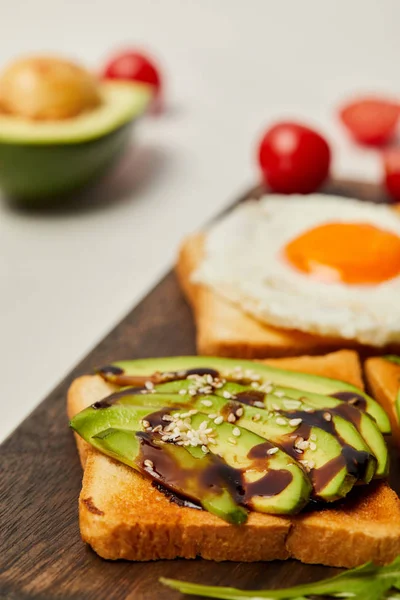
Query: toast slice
123	516
383	378
223	329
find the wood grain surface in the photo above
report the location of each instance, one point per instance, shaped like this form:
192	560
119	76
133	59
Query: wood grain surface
41	553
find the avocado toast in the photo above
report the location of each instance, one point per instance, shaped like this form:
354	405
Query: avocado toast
144	524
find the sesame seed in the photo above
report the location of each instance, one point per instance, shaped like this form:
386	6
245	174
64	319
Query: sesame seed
311	464
327	416
272	451
280	421
145	423
232	440
313	437
208	430
157	429
167	418
193	412
192	391
290	404
218	420
236	431
304	462
299	450
165	438
226	395
180	443
149	385
275	407
212	415
255	385
239	412
256	417
203	425
295	422
231	418
259	404
206	403
183	392
149	464
204	448
279	394
313	446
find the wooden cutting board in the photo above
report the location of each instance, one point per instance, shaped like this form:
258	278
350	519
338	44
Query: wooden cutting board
41	553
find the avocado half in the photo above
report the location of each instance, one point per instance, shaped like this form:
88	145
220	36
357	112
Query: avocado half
44	160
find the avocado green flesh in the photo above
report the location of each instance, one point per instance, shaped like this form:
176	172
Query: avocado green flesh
91	421
300	381
366	427
328	446
120	103
233	450
364	436
236	452
124	446
289	400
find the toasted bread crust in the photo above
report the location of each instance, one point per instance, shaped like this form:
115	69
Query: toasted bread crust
223	329
123	516
383	378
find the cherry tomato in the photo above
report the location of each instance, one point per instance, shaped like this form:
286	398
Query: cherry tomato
391	163
294	158
134	66
370	121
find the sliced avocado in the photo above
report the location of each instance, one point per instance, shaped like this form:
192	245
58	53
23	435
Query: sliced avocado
349	415
353	427
124	372
272	481
91	421
44	160
269	481
327	466
204	479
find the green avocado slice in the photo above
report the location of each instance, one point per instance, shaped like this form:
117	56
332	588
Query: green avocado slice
270	481
175	468
327	467
349	415
182	472
273	483
125	372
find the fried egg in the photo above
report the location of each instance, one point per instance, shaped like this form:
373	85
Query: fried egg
321	264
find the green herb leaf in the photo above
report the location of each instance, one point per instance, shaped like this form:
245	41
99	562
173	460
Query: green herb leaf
368	582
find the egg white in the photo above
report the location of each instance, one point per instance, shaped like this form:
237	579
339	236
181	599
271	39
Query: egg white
243	261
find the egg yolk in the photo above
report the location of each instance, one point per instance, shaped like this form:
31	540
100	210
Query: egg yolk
355	253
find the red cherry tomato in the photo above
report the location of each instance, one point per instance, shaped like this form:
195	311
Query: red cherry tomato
134	66
370	121
294	158
391	163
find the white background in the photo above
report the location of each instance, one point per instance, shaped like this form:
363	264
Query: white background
231	67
